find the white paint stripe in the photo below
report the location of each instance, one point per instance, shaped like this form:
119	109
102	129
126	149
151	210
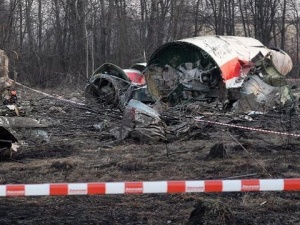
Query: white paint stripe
155	187
232	185
2	190
272	185
115	188
77	189
37	189
194	186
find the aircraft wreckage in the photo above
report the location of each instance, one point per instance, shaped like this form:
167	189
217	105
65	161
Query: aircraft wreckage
237	70
12	123
239	73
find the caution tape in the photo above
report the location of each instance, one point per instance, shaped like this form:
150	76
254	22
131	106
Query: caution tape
149	187
297	80
246	128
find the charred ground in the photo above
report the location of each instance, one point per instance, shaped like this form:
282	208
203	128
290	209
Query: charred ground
79	151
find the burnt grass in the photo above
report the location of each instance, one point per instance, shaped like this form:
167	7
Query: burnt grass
79	152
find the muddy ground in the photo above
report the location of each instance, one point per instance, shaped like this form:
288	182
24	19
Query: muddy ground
78	152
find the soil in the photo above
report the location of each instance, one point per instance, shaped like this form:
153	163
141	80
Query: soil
81	149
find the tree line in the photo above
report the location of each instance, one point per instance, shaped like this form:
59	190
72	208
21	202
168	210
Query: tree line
65	40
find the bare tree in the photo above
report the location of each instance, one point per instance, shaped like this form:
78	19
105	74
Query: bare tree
263	14
295	11
63	39
217	8
283	16
229	11
40	25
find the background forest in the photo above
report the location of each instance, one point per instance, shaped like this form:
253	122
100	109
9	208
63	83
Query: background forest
54	41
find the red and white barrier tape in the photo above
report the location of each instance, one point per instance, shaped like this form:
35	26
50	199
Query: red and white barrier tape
247	128
293	79
149	187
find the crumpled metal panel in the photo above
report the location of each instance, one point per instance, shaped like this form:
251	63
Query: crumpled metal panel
111	85
230	53
143	108
15	128
130	75
260	96
205	68
135	76
145	122
260	89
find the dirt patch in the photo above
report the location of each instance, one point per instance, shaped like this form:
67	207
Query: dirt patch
79	151
211	212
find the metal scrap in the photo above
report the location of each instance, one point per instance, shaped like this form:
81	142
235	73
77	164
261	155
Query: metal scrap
144	122
210	73
216	68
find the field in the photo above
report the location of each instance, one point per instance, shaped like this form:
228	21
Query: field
79	150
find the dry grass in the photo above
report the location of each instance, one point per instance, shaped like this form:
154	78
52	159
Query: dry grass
84	155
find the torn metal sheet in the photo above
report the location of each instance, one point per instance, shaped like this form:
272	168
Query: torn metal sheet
111	85
213	68
22	128
143	109
139	66
130	75
221	69
144	122
256	95
266	93
229	53
135	76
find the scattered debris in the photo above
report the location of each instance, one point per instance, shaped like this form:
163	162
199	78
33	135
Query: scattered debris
12	121
146	124
217	74
158	100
